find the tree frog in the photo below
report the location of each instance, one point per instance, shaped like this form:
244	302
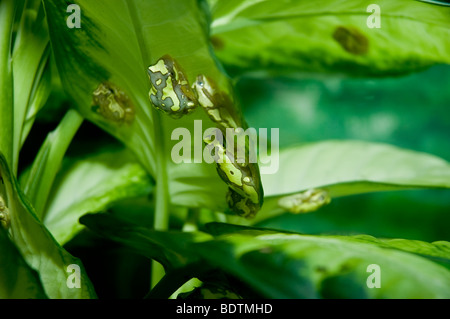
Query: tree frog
217	105
112	103
170	90
305	202
245	195
4	214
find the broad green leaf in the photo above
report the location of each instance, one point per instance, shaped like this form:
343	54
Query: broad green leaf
412	214
345	168
438	251
331	36
295	266
117	42
18	280
352	167
36	244
105	48
304	266
92	184
171	249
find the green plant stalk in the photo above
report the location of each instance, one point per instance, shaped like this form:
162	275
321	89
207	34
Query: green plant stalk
190	224
161	221
161	218
48	161
7	10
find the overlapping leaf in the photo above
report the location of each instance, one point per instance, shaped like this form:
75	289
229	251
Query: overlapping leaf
295	266
304	266
335	36
91	185
345	168
171	249
37	246
116	43
18	280
351	167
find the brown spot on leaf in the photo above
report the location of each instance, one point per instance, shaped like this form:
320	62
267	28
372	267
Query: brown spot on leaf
351	40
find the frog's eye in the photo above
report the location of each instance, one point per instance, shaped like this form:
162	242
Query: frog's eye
113	104
170	90
200	81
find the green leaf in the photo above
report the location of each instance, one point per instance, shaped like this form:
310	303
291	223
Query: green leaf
40	97
92	184
412	214
7	9
438	251
295	266
48	161
119	45
91	55
345	168
29	60
194	184
352	167
19	281
332	36
171	248
36	244
304	266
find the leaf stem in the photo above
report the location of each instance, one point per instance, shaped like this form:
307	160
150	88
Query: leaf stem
161	221
161	218
190	224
